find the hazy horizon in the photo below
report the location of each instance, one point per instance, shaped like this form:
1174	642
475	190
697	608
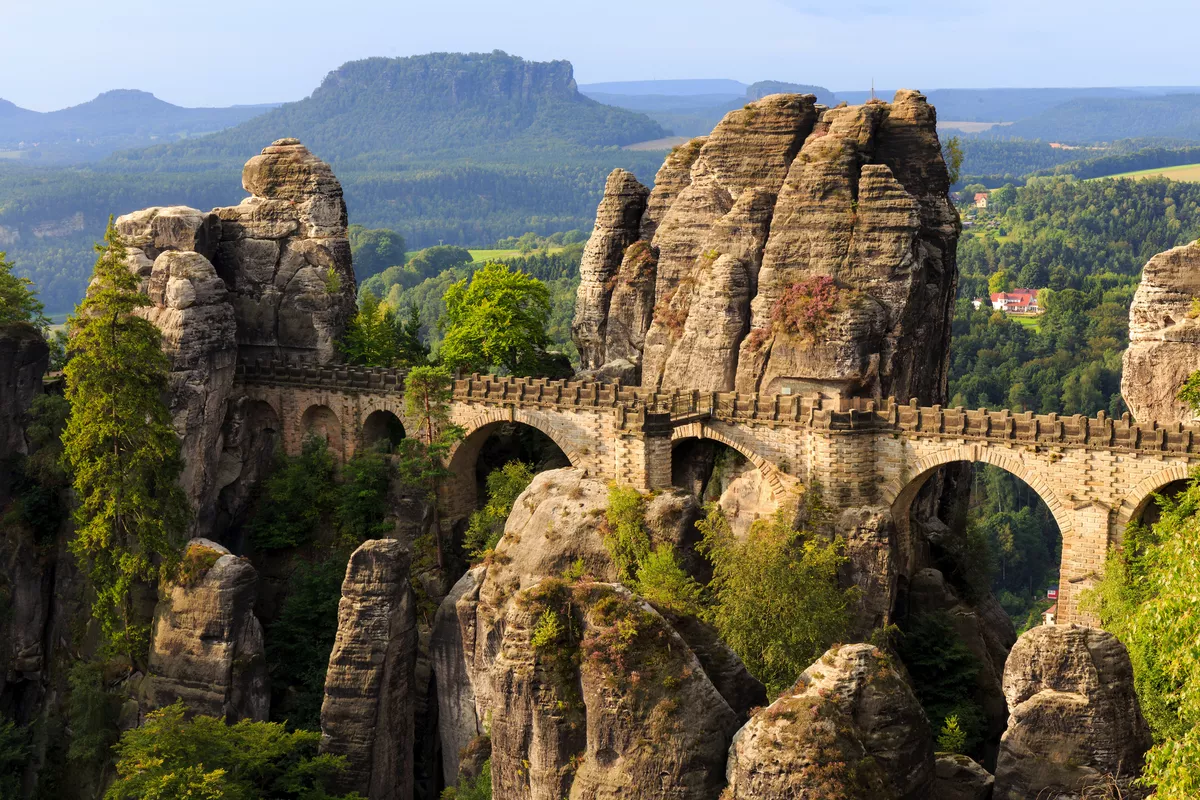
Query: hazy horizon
81	49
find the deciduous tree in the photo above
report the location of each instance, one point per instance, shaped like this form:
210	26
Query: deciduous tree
496	318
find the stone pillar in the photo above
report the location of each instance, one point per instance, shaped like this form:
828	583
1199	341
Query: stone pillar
368	711
1085	548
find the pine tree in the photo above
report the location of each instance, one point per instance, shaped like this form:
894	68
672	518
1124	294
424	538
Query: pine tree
370	338
121	447
422	459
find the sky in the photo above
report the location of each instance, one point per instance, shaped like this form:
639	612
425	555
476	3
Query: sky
57	53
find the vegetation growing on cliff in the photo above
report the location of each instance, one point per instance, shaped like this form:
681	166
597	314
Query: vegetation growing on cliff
122	449
775	595
1148	600
18	300
172	756
486	527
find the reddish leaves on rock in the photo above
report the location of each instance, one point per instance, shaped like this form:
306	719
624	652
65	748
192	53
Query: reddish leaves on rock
805	307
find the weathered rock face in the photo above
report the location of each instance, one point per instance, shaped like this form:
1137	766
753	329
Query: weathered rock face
285	256
807	249
1075	718
170	248
851	721
1164	337
605	729
24	356
618	219
269	278
367	715
206	646
960	778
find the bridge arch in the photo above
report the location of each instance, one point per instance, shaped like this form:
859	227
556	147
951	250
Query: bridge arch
382	427
321	420
1140	496
462	489
781	485
899	493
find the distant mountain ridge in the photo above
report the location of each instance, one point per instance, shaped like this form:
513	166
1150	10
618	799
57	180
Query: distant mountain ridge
418	107
115	119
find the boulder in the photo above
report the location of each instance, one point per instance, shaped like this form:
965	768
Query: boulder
958	777
850	722
206	645
367	715
1164	337
581	713
1074	717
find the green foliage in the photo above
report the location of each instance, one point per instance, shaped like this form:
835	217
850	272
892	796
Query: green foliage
1148	599
1190	392
625	535
374	250
496	318
18	300
775	595
662	581
1086	242
486	527
173	757
295	498
547	630
122	447
952	154
952	738
376	337
92	712
298	643
943	671
14	750
477	788
421	459
362	508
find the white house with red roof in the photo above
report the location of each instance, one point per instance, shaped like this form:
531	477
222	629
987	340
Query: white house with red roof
1017	301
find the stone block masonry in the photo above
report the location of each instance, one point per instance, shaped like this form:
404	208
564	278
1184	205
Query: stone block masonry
1094	474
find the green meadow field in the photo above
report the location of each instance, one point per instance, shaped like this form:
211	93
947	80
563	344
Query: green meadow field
1184	172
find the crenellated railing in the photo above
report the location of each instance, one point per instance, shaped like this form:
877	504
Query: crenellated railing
646	409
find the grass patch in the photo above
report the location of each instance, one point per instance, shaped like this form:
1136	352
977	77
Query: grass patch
1032	323
1185	172
480	256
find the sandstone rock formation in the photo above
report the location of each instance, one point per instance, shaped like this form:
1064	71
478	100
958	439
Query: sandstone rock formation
850	722
1075	719
600	726
795	249
1164	337
960	778
206	647
269	278
367	715
23	360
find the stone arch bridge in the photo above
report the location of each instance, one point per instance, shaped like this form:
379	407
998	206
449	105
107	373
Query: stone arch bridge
1095	474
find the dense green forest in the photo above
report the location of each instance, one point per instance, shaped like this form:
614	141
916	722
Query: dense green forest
1106	119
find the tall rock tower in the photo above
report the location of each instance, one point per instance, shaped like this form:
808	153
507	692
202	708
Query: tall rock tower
795	249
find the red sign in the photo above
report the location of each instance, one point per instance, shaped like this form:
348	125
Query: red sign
1052	594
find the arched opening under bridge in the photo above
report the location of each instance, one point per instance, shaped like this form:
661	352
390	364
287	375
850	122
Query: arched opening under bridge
382	429
321	421
716	472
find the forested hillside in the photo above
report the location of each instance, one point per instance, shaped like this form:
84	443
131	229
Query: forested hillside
445	148
1084	241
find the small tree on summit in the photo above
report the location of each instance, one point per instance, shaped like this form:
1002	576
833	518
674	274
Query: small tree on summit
121	446
18	301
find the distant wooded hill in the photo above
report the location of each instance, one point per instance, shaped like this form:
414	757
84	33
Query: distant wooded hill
112	121
447	147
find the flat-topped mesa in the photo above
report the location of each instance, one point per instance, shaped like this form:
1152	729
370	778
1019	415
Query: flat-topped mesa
796	249
1164	337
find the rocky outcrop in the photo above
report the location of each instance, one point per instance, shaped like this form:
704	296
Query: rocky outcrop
269	278
850	722
206	646
1075	720
285	256
367	715
618	219
576	706
1164	337
24	357
960	778
807	249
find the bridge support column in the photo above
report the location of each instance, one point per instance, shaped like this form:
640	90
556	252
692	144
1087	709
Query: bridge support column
644	462
1085	548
